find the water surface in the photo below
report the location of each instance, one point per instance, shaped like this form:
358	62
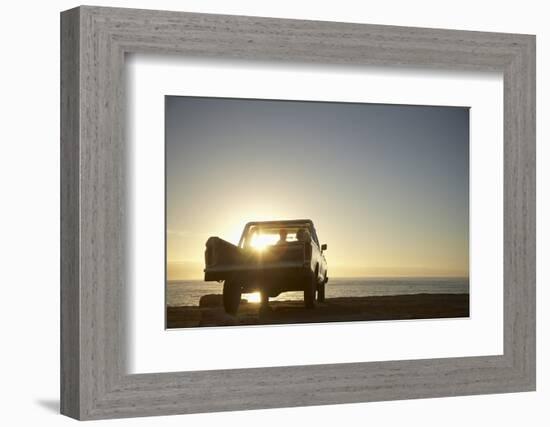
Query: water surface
188	292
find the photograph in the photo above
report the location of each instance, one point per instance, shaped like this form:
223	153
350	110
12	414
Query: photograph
298	211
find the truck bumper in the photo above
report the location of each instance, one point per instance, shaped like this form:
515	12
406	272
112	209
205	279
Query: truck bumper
256	274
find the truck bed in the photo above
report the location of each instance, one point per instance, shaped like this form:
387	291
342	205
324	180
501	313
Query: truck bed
225	260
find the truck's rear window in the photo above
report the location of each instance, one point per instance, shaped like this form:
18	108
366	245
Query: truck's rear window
261	236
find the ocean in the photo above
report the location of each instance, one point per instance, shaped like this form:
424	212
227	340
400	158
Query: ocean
188	292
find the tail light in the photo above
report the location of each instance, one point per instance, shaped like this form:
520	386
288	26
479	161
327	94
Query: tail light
307	250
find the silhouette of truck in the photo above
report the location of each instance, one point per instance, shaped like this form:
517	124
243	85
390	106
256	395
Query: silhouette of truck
272	257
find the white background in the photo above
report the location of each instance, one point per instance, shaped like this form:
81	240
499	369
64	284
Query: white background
152	349
29	241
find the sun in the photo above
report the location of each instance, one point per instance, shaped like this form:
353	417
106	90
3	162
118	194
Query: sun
253	297
261	241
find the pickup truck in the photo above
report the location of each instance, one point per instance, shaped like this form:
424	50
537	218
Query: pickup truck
272	257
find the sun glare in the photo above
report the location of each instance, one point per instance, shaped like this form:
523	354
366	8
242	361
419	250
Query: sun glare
261	241
253	298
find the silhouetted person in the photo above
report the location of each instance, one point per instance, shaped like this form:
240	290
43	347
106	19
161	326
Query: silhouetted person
302	235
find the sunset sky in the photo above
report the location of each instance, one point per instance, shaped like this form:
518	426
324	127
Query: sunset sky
386	186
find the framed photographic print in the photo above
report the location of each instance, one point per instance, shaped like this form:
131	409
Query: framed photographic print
323	212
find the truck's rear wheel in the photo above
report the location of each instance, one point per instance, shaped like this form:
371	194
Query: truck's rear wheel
310	286
231	297
321	292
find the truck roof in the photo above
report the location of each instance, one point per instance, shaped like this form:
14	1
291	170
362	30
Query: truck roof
280	222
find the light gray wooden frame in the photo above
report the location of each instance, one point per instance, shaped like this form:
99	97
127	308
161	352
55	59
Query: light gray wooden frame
94	382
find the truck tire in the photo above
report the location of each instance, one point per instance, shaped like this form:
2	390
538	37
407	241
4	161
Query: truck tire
321	292
231	297
310	286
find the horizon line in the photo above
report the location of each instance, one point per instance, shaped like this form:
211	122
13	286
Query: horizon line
347	277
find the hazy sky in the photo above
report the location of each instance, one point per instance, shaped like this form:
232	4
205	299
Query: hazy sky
386	186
